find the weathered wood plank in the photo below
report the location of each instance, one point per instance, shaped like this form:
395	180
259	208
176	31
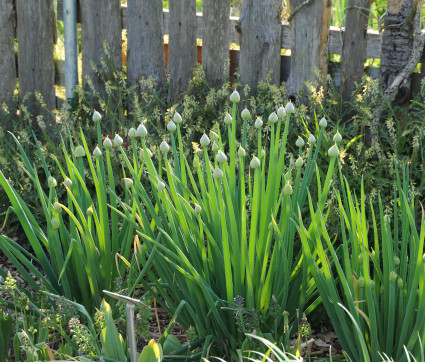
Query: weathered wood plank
7	51
145	49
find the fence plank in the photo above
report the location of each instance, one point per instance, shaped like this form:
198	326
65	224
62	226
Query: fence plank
101	21
145	49
261	34
354	48
7	51
216	40
36	33
182	44
310	26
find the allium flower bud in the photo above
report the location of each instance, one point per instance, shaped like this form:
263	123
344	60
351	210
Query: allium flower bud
300	142
96	116
195	162
289	108
117	140
214	136
57	207
400	283
171	126
177	118
235	97
197	209
287	190
393	276
245	114
396	260
311	139
51	182
360	282
205	141
131	133
107	143
160	186
372	283
255	162
337	138
241	152
333	151
323	122
299	162
90	210
97	152
263	153
214	147
128	182
141	131
79	151
55	223
258	123
227	118
281	112
218	174
164	147
273	117
221	157
67	182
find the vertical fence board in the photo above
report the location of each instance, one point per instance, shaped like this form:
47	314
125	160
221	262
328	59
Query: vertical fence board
7	51
36	33
261	33
354	46
216	40
100	21
145	50
182	44
310	27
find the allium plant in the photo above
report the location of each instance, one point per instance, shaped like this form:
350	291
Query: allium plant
224	229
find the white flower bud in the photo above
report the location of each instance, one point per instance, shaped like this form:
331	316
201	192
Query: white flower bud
205	141
255	162
228	118
177	118
164	147
300	142
117	140
221	157
55	223
171	126
337	138
311	139
160	186
235	97
128	182
245	114
299	162
107	143
67	182
214	136
79	151
333	151
323	122
281	112
198	209
287	190
141	131
241	152
214	147
96	116
131	133
57	207
258	123
218	174
51	182
273	118
97	152
289	108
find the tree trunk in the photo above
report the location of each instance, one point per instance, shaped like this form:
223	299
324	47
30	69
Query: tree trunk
7	51
310	27
261	36
36	32
182	44
354	46
145	54
101	22
216	40
397	41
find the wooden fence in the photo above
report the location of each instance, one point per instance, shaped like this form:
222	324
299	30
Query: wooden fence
104	19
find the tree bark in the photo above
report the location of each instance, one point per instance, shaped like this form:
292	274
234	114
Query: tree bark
354	46
216	40
101	22
145	54
261	36
36	32
310	21
182	45
7	51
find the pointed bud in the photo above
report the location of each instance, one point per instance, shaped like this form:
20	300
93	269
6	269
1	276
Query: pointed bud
311	139
90	210
214	136
97	152
337	138
51	182
131	133
96	116
241	152
160	186
55	223
57	207
107	143
255	162
333	151
289	108
141	131
79	151
177	118
245	114
164	147
299	162
197	209
281	112
258	123
171	126
227	118
128	182
118	141
67	182
221	157
300	142
273	118
287	190
218	174
214	147
323	122
235	97
205	141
